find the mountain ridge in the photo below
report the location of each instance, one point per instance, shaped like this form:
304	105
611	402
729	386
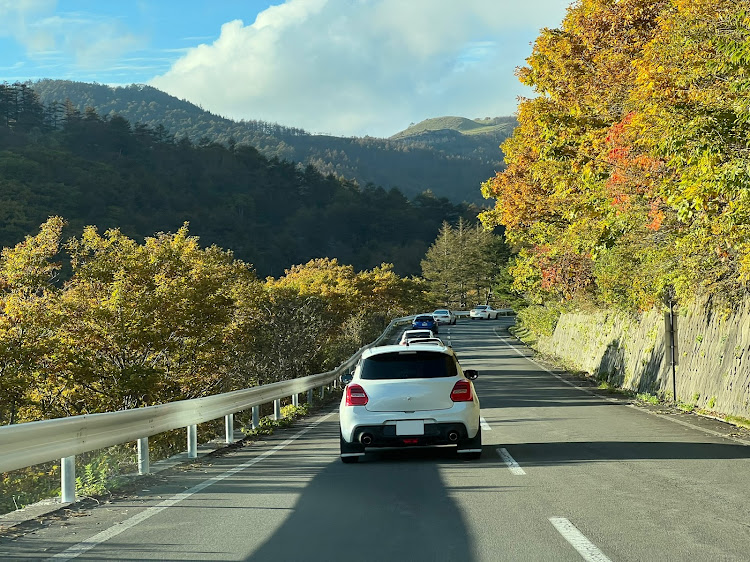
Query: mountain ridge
414	161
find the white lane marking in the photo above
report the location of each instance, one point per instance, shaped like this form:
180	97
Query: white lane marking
76	550
558	377
616	401
510	462
585	547
484	424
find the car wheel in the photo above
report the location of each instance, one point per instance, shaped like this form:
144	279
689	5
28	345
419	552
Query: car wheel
348	448
471	445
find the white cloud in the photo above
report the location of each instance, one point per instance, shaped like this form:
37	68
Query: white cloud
91	41
355	67
16	21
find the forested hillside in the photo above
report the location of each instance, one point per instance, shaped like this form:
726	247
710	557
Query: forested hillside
452	165
628	177
103	171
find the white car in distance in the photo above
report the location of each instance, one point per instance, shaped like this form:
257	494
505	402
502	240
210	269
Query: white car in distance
414	396
416	333
444	316
483	312
417	341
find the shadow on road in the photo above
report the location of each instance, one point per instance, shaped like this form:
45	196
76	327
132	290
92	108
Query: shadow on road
392	505
565	453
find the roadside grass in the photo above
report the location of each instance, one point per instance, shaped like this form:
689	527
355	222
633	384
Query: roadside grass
656	400
524	334
737	420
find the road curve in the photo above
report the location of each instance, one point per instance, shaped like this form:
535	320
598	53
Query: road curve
565	475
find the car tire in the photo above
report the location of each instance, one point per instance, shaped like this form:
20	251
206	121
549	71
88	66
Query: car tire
474	443
348	448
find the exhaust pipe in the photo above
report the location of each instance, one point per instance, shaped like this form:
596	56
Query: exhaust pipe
365	439
453	436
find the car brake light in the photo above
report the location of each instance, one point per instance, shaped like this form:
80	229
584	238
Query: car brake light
355	395
462	392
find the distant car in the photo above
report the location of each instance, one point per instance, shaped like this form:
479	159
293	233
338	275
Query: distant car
426	321
413	334
417	341
483	312
444	316
417	396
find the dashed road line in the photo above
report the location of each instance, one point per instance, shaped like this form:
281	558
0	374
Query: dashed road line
513	466
585	547
483	423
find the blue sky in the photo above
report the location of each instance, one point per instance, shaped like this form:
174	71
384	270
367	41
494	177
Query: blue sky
343	67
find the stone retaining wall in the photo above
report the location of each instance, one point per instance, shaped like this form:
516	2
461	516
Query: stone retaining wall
713	369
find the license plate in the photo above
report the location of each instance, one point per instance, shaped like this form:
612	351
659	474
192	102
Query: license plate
410	427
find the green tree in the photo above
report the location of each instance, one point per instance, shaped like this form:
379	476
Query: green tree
27	322
462	264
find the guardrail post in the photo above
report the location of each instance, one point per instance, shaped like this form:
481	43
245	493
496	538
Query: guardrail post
143	456
229	428
322	392
192	441
68	479
256	417
310	397
277	409
295	400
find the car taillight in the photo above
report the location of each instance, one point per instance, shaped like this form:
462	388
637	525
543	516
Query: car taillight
461	392
355	395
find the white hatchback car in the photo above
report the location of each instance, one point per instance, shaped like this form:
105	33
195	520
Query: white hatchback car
413	396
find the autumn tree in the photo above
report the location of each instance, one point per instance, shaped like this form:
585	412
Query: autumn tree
28	298
146	324
623	176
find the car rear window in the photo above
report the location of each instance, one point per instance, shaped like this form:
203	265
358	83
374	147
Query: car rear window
424	319
408	365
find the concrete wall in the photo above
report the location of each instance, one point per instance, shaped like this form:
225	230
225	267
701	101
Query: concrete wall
713	350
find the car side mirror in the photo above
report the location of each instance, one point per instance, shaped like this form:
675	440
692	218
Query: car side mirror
346	378
471	374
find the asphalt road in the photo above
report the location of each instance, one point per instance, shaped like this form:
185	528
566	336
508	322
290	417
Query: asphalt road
566	474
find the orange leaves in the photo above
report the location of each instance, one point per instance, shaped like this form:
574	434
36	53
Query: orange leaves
656	214
632	180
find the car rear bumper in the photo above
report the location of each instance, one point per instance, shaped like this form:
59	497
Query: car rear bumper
463	417
434	434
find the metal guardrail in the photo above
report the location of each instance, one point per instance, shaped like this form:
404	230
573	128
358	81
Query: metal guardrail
31	443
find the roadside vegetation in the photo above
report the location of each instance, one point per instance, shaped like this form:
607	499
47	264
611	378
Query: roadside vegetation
136	325
626	179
